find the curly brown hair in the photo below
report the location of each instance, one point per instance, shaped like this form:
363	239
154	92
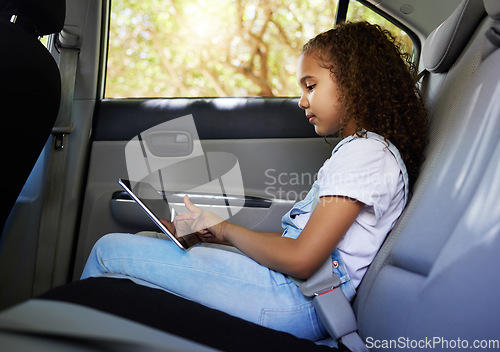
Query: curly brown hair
377	84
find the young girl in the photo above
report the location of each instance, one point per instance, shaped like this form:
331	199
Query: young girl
355	81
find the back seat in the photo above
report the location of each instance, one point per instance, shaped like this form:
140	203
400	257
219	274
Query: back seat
436	275
434	283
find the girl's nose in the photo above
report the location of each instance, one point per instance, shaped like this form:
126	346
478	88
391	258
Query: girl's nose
303	103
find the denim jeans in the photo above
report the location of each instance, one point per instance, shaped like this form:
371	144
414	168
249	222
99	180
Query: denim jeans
213	275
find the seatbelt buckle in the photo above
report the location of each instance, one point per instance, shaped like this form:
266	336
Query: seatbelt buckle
322	279
335	312
59	132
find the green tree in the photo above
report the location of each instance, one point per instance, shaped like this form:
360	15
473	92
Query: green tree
178	48
359	12
193	48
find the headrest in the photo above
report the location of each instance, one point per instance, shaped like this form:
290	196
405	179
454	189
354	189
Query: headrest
446	42
493	9
41	17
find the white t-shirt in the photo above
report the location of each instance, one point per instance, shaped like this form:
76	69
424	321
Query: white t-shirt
363	169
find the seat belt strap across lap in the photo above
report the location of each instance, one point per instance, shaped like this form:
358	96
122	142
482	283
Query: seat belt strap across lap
56	169
332	306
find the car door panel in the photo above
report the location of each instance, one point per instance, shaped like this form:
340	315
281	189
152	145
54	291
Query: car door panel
276	150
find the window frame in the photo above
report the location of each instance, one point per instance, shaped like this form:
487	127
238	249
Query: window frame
340	16
417	45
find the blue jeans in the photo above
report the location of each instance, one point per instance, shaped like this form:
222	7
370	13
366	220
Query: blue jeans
212	275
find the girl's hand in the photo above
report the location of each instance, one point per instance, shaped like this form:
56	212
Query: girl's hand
204	223
169	225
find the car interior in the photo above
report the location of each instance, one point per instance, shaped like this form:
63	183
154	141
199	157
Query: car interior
432	286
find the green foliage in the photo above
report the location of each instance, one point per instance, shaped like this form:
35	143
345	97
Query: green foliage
358	12
193	48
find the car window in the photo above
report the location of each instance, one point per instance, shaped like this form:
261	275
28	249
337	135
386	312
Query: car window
359	12
45	41
203	48
216	48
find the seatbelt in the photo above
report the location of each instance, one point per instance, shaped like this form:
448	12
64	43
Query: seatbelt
420	75
56	169
332	307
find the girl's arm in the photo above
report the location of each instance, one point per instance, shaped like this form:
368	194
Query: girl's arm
301	257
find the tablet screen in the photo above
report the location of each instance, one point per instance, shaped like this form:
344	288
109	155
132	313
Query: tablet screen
155	204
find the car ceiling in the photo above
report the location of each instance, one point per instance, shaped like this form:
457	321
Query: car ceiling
415	14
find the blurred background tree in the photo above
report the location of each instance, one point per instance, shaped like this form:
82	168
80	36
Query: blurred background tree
212	48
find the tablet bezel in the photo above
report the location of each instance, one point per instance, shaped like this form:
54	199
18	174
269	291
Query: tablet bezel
126	185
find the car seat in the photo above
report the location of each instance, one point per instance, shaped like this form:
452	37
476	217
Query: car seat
436	276
30	88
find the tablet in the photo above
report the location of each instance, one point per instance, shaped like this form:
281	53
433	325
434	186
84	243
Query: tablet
155	204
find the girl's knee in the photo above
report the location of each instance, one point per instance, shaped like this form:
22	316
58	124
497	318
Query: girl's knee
106	243
107	246
111	240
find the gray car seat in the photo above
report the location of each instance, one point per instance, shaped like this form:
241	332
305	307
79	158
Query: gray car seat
436	276
434	285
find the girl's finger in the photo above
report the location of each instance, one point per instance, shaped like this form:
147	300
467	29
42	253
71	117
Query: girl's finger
186	216
190	206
